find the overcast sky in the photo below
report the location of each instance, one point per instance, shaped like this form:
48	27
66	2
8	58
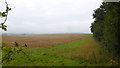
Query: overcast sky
51	16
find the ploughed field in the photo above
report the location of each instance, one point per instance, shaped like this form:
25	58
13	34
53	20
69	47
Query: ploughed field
42	40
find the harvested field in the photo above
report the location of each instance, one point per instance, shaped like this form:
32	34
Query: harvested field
42	40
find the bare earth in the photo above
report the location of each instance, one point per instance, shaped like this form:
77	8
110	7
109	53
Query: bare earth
42	40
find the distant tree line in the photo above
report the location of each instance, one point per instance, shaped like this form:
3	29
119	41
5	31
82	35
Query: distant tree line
106	26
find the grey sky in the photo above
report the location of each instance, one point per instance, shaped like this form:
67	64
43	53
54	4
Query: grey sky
51	16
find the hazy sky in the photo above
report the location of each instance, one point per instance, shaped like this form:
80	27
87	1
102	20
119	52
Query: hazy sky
51	16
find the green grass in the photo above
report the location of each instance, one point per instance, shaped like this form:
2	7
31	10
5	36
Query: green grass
57	55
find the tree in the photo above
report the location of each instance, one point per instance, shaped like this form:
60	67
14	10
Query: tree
4	15
106	26
98	23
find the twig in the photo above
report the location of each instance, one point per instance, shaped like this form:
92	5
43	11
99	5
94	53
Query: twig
6	12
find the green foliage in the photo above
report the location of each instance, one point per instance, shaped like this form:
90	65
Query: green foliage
3	27
97	26
4	15
8	53
106	26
